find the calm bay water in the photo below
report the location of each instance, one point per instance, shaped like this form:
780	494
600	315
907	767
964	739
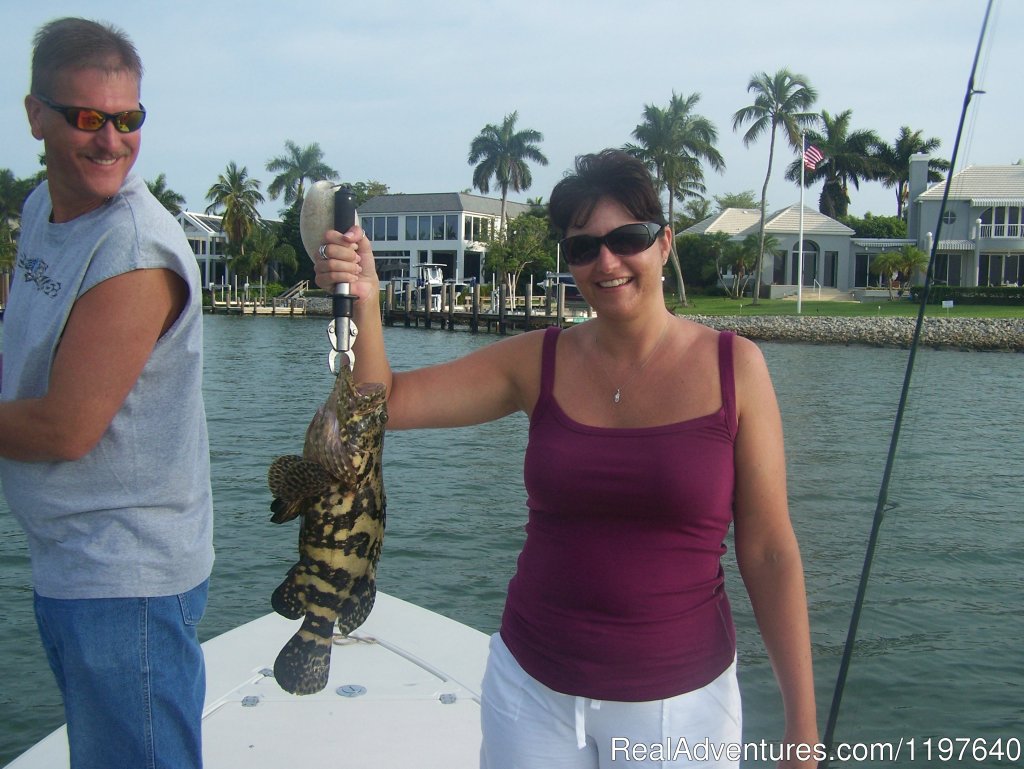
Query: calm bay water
940	652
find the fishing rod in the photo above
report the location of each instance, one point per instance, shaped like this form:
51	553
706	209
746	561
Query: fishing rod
883	494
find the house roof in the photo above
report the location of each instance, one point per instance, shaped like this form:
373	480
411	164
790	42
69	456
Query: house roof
205	223
439	202
740	222
984	186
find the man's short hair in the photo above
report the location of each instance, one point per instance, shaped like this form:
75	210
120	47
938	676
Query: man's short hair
76	44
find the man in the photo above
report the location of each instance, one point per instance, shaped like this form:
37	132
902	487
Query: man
104	455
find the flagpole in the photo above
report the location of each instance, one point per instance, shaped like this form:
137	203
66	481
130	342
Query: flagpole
800	266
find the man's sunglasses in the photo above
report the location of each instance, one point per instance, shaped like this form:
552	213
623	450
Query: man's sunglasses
627	240
92	120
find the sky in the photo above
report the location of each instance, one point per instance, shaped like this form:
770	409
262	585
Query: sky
395	90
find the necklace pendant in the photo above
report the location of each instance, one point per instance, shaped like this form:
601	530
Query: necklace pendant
617	397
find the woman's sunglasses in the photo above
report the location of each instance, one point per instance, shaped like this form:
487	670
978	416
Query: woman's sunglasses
627	240
92	120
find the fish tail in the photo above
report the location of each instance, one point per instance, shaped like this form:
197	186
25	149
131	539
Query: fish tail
304	664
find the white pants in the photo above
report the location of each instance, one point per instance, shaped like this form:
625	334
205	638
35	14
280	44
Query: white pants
526	725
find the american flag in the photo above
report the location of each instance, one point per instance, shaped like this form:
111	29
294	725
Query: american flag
812	156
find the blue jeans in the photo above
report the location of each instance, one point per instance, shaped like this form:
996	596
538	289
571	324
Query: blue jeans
132	676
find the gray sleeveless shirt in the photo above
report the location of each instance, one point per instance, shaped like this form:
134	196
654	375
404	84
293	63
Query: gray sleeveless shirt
134	517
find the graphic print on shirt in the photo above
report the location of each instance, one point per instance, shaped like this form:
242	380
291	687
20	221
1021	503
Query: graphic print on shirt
35	272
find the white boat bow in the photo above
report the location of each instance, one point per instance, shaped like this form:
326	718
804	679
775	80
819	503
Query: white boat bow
404	691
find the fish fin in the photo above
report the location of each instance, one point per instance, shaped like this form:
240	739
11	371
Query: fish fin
293	478
304	663
284	511
353	611
287	599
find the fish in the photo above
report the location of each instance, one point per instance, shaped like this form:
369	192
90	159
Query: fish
336	489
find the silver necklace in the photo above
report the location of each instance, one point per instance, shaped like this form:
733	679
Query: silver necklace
618	390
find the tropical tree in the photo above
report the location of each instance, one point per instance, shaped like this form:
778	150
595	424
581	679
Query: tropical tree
363	191
849	159
780	101
894	164
502	152
265	254
235	195
673	142
899	266
168	198
297	166
525	243
743	199
694	210
13	192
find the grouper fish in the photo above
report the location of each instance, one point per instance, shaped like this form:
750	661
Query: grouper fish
336	488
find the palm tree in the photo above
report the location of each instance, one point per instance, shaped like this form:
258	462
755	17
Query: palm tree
168	198
237	195
502	152
13	192
672	142
895	164
849	159
264	250
295	168
780	100
899	265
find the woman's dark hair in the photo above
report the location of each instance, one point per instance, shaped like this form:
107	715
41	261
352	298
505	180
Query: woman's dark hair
612	174
74	44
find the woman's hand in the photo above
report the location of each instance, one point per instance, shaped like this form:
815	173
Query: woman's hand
347	258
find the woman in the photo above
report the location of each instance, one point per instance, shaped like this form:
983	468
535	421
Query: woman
649	436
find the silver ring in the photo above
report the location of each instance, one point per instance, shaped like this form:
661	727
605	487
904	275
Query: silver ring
322	251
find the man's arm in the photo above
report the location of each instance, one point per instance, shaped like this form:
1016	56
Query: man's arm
109	336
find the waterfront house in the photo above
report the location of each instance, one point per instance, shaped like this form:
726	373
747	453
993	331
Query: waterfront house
981	240
445	228
205	233
826	246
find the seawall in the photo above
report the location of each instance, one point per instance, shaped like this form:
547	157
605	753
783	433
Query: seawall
991	334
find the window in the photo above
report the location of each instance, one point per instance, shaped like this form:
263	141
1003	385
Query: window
451	227
1002	222
810	272
949	217
424	230
476	228
438	226
947	269
411	228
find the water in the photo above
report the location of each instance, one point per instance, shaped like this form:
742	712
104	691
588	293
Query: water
939	653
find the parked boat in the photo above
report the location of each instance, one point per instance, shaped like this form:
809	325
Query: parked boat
404	690
553	279
428	275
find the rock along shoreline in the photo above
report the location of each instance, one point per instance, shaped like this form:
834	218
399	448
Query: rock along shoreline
981	334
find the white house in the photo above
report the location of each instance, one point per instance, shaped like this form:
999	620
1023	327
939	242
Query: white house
826	246
981	239
205	233
406	230
441	228
981	242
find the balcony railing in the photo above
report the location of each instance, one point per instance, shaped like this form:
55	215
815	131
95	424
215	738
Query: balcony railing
1002	230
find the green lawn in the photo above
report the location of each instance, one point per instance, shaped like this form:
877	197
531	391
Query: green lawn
715	305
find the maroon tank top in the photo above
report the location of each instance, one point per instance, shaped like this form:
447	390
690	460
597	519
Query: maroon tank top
619	592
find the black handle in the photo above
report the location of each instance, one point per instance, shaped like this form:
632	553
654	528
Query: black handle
344	218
